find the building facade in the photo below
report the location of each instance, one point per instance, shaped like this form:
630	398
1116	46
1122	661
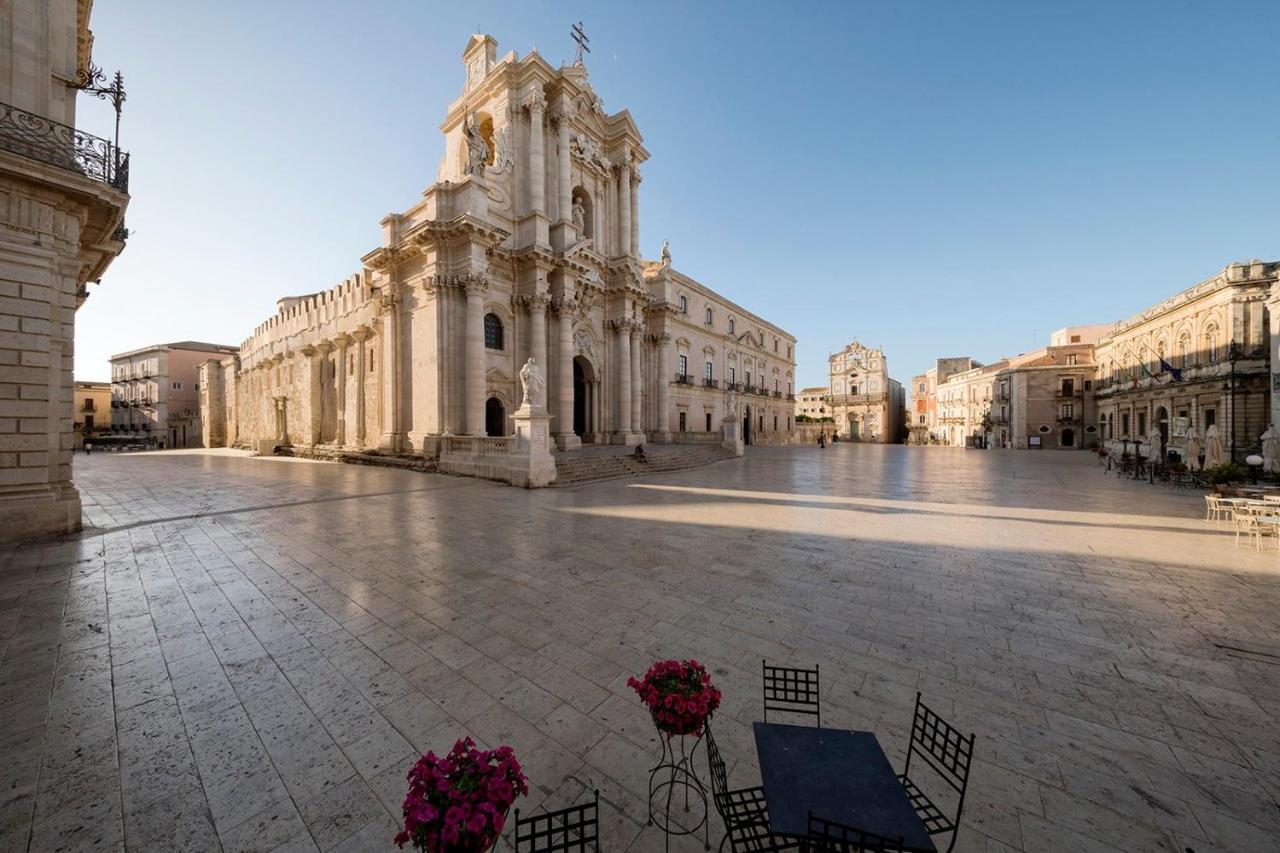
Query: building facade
155	392
91	411
526	246
1045	399
811	403
865	403
1199	358
923	425
63	195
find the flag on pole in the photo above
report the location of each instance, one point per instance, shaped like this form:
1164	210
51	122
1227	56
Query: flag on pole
1173	371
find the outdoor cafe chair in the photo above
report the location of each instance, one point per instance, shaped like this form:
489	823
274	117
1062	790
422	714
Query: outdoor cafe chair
828	836
1245	521
737	808
793	690
575	829
949	753
1213	508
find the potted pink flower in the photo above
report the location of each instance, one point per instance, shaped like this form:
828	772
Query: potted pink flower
458	804
679	695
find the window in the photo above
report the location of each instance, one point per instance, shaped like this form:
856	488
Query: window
748	378
762	347
1210	418
1124	424
775	423
788	350
775	386
88	404
1142	423
731	325
1075	339
1071	360
1184	350
775	344
682	365
177	386
708	422
492	332
1068	387
88	422
684	308
1068	411
921	388
683	418
762	423
1211	343
733	374
706	371
710	316
1088	385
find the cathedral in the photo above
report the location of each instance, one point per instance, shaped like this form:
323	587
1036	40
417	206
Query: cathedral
526	246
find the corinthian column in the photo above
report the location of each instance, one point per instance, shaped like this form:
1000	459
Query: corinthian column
637	423
390	372
663	420
474	354
536	103
565	436
635	210
566	188
311	370
340	388
624	207
538	329
361	335
622	366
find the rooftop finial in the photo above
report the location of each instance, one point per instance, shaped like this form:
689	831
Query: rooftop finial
576	33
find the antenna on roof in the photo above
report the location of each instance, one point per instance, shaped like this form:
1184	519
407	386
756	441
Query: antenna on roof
576	33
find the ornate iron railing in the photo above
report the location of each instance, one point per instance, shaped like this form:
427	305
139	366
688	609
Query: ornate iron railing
38	138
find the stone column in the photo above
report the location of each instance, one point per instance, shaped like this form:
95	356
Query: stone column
360	335
608	236
474	372
622	367
538	329
634	192
663	387
311	405
565	435
566	187
624	207
324	348
391	432
637	423
340	389
536	103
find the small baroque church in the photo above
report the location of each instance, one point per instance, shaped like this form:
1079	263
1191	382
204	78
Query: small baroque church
526	246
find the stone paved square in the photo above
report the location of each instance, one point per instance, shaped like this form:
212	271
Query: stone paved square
247	654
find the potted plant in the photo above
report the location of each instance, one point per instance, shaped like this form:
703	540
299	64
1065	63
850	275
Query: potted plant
679	695
458	804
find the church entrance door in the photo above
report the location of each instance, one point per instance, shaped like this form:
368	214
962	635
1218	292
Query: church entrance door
583	399
746	425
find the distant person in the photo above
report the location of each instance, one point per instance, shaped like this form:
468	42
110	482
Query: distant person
88	448
822	439
638	455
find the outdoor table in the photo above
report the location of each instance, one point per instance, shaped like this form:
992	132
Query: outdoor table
1271	521
842	776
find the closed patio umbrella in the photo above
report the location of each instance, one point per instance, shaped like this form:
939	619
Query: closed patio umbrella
1270	451
1212	447
1193	448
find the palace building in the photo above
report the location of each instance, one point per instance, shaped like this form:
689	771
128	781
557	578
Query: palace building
526	246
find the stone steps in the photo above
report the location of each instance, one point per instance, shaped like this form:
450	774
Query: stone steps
575	470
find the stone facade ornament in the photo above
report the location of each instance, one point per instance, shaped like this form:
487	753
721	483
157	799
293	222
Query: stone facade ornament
477	148
582	342
666	255
579	215
534	384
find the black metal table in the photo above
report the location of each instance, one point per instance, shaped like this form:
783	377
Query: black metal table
839	775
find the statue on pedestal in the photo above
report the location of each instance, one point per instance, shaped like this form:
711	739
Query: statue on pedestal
534	384
477	148
579	215
666	255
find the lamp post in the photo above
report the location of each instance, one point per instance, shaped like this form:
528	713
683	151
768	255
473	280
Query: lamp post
1233	355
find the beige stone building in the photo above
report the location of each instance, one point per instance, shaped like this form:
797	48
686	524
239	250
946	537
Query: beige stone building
866	404
63	195
812	403
155	392
1199	358
526	246
91	411
922	422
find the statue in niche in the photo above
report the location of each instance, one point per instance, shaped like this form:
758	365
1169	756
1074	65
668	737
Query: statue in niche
666	255
579	215
477	148
534	384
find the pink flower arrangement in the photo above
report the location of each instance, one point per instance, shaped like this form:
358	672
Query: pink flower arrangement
458	804
679	694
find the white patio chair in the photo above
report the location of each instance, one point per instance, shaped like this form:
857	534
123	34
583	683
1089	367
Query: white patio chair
1246	522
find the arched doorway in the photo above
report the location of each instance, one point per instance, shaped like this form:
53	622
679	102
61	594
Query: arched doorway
853	428
1162	423
746	425
495	418
1068	438
583	398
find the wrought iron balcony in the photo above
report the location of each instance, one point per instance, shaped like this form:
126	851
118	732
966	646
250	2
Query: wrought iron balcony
683	379
38	138
711	383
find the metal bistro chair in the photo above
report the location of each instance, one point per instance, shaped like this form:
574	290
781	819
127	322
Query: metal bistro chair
1245	521
792	690
827	836
949	753
740	809
575	829
1213	508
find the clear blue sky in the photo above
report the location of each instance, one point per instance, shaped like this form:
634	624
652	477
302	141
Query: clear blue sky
941	178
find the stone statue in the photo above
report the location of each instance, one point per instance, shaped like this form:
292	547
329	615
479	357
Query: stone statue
666	255
534	384
477	148
1270	450
579	215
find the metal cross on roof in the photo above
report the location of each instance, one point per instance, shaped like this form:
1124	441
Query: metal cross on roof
576	33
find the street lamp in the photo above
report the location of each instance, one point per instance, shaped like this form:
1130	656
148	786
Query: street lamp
1233	355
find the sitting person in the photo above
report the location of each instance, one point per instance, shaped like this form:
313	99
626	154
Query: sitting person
639	455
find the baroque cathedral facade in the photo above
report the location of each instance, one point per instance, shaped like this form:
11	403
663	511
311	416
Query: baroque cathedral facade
526	246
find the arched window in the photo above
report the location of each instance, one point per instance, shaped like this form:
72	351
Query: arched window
1184	350
492	332
710	316
684	305
1211	343
731	324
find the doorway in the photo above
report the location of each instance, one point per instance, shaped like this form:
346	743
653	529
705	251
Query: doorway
495	418
746	425
1068	438
584	390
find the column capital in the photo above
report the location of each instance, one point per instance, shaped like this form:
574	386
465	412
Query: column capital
535	302
307	351
636	177
325	347
535	100
566	308
474	284
343	340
